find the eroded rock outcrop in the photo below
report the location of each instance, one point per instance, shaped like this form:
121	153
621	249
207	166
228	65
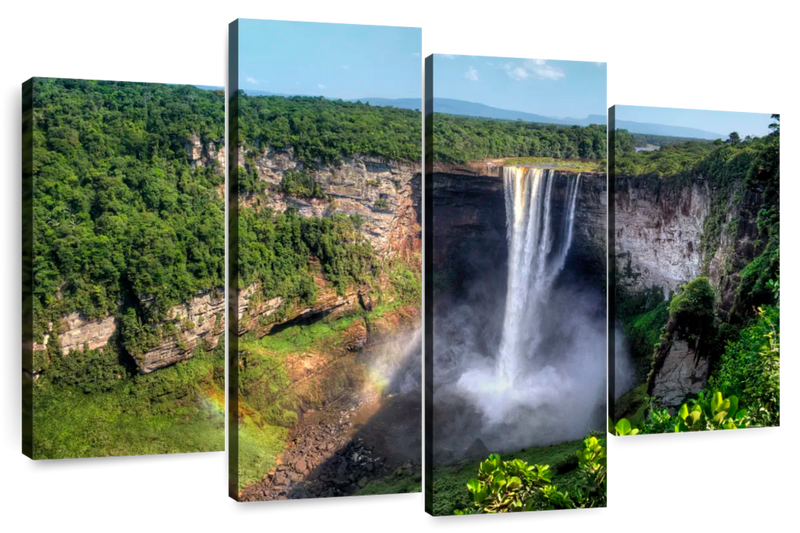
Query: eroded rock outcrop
200	320
658	231
78	332
386	193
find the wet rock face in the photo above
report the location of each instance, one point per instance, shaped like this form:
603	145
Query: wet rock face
658	231
659	234
469	223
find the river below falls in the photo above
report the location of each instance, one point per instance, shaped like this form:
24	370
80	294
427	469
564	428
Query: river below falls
336	450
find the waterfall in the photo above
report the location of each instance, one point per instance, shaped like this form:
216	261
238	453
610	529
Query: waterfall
537	249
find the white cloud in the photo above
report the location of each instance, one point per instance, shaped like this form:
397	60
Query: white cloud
471	74
445	53
517	73
321	86
345	67
533	68
600	63
489	63
541	69
416	54
251	80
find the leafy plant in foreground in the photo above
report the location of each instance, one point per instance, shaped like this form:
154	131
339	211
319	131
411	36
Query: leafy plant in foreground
511	486
711	411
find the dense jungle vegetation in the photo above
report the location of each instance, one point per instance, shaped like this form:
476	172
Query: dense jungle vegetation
324	131
120	212
458	139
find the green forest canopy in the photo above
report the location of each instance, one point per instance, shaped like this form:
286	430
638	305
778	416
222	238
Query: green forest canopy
716	160
459	139
324	131
120	213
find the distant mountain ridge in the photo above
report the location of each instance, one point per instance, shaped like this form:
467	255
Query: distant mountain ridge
454	106
664	129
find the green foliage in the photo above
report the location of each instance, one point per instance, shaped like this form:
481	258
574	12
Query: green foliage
119	209
673	161
381	204
126	223
643	314
300	184
694	304
647	139
568	463
623	428
90	371
624	143
659	420
750	368
460	139
276	249
711	411
510	486
325	131
249	180
80	411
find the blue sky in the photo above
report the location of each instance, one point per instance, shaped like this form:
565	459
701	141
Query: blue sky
331	60
560	89
722	122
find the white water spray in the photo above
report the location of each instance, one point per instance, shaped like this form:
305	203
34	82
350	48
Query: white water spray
533	264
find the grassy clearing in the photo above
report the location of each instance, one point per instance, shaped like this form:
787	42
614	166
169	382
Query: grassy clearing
259	449
577	165
173	410
450	482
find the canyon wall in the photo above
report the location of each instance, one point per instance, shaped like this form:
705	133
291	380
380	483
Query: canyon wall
353	185
663	237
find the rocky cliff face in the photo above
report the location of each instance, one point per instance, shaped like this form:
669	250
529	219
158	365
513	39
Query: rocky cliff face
202	154
681	364
354	185
201	321
662	234
658	231
262	315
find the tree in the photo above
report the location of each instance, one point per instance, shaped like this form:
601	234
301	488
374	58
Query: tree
776	126
733	138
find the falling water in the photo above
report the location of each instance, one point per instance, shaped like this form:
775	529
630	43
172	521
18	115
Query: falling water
538	247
